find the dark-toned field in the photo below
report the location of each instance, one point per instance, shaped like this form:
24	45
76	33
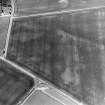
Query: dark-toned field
14	85
66	50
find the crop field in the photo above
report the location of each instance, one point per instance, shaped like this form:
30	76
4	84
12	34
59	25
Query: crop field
65	49
62	42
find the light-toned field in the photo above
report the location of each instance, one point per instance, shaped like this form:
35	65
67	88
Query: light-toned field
27	7
4	23
39	98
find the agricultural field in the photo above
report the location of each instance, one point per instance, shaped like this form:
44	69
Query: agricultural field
59	42
66	50
4	25
26	7
14	85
